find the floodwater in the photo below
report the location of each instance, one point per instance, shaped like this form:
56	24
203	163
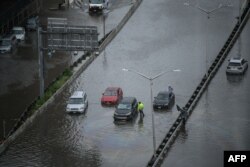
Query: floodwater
19	81
160	36
220	124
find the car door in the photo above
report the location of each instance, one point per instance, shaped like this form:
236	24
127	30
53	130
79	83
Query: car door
134	106
120	93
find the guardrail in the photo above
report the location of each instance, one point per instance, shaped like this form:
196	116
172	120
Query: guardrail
158	157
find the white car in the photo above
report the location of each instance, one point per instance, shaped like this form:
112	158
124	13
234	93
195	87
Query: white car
8	43
98	5
77	103
19	32
237	66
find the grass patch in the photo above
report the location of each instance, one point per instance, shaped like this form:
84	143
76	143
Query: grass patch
52	88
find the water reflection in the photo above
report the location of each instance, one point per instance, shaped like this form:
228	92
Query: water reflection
127	122
234	79
183	133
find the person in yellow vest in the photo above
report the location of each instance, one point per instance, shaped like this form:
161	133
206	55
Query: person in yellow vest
140	108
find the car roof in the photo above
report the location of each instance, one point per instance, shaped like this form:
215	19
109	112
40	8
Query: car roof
112	88
17	28
235	60
77	94
128	99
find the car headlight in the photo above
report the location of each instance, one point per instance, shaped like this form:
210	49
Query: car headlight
128	113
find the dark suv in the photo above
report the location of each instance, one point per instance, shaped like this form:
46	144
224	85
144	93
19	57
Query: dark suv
126	109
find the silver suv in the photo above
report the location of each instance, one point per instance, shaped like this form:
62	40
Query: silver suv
77	103
237	66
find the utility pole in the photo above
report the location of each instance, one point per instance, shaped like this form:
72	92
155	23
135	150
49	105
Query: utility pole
239	39
40	61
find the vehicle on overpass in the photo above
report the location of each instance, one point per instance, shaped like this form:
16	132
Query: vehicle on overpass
77	103
237	66
126	109
97	6
111	96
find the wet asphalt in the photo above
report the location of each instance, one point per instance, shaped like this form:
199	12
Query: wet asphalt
160	36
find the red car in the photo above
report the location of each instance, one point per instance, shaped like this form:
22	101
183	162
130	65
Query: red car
112	96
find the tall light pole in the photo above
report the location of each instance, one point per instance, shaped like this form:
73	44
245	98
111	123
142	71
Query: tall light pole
239	38
208	13
150	79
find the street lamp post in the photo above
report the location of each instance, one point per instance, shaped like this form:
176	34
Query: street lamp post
208	13
151	95
239	39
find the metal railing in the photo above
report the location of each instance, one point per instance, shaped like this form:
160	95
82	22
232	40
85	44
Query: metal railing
157	159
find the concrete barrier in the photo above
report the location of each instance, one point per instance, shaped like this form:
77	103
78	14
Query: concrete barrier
162	150
116	30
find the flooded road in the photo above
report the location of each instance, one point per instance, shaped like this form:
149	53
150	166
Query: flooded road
19	81
160	36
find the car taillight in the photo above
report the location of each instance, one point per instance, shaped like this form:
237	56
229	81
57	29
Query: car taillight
240	68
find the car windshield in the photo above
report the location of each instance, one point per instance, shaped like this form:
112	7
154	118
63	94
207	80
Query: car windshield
234	64
122	106
162	96
17	31
110	93
75	101
6	43
96	1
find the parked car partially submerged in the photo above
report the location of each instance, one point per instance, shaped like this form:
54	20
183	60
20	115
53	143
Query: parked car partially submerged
111	96
126	109
237	66
77	103
164	99
8	43
19	32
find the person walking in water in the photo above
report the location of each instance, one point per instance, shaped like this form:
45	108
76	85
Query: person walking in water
140	108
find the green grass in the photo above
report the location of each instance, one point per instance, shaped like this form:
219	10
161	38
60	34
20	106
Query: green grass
51	90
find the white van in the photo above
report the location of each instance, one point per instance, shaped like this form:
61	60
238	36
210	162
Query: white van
77	103
19	32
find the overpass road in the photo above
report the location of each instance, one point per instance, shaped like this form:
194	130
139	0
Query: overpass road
161	35
222	125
